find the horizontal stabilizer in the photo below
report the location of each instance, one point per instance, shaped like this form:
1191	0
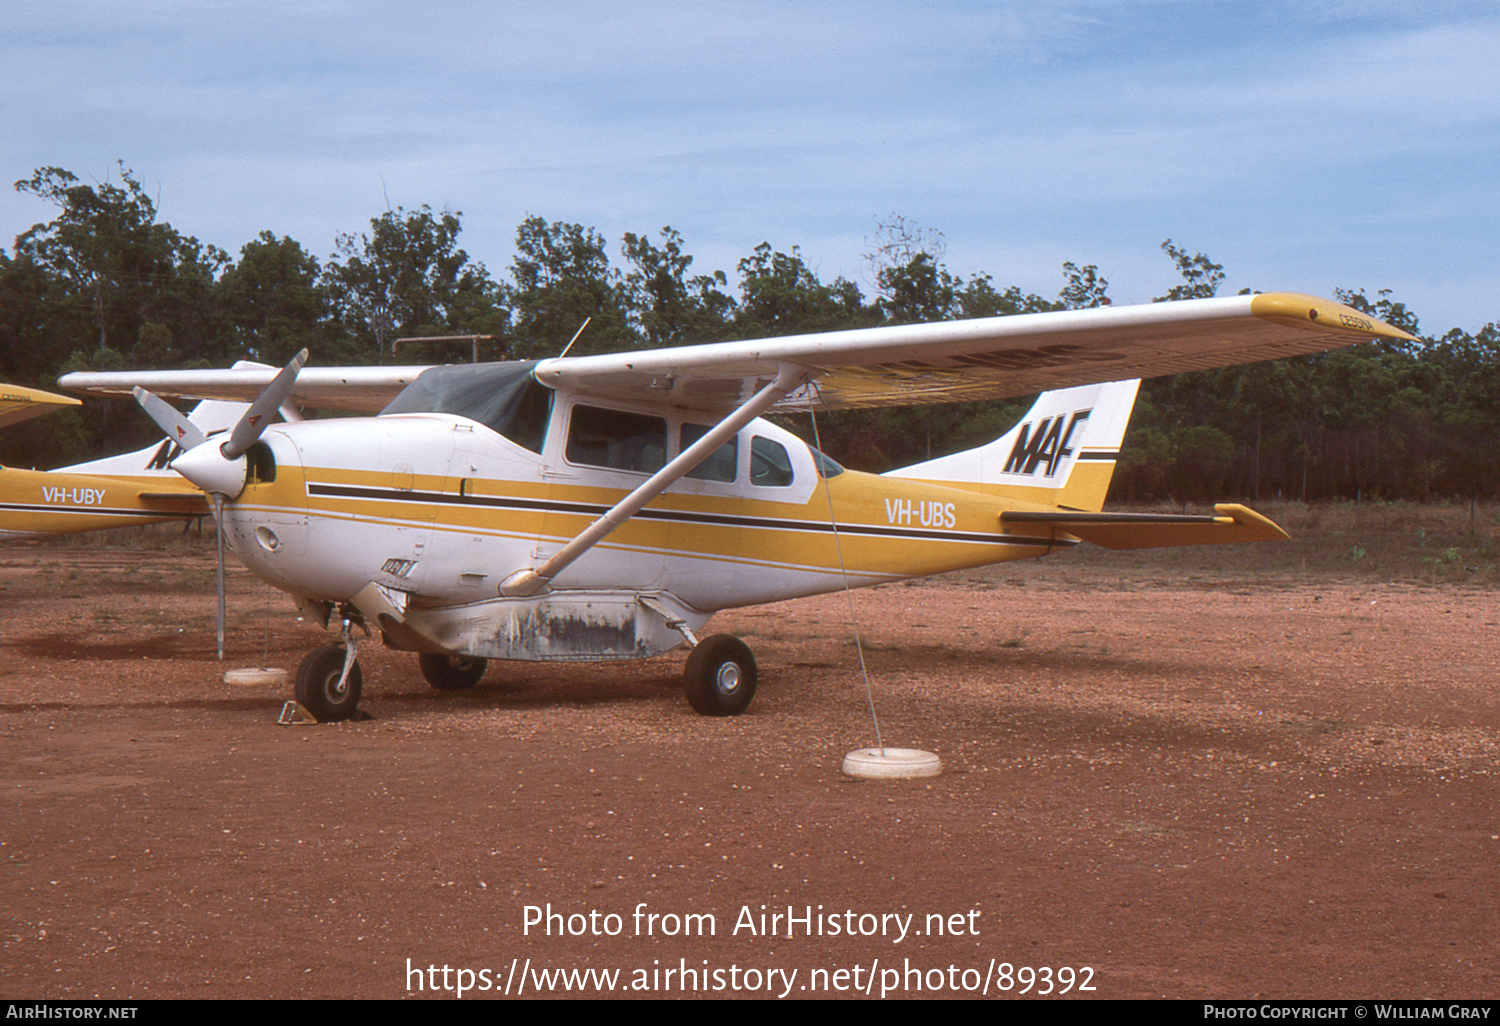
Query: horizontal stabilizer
1231	524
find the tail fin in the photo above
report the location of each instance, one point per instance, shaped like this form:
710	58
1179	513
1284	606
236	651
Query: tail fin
1062	453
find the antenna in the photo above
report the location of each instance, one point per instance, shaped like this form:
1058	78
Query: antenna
585	324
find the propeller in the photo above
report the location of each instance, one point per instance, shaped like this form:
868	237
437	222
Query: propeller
178	428
220	469
249	429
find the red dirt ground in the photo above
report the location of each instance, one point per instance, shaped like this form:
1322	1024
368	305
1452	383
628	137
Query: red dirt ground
1194	783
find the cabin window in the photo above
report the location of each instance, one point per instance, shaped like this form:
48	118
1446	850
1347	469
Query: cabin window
617	440
770	466
721	464
527	426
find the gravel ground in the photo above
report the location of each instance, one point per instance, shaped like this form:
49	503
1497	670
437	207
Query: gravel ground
1160	780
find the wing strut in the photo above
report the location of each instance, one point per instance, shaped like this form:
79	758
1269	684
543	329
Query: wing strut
788	379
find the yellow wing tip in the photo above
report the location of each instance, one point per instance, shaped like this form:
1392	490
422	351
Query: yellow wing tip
22	394
1311	312
18	403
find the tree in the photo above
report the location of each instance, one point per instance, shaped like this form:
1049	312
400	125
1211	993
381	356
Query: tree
408	277
274	299
1085	288
561	279
780	295
30	334
907	261
1201	277
668	307
132	281
919	291
979	298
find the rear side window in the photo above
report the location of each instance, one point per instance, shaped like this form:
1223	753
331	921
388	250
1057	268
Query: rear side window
770	466
721	464
620	441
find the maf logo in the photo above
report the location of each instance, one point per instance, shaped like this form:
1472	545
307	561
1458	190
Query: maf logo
1048	446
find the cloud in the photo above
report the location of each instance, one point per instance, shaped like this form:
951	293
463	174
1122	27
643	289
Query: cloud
1031	128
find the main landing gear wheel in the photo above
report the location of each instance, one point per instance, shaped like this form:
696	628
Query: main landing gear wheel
452	672
720	676
319	687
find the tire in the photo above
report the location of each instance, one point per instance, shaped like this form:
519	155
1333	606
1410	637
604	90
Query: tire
720	676
452	672
317	684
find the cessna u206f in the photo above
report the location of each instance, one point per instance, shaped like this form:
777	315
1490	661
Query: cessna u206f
604	507
117	491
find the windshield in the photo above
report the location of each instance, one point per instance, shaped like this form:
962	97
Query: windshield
501	396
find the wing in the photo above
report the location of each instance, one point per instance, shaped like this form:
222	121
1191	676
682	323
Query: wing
952	361
356	389
18	403
987	358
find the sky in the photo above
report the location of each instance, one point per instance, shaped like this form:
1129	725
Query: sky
1305	146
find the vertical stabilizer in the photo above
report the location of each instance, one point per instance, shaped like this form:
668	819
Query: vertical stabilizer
1061	454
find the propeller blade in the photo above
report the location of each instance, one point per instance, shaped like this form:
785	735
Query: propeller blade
258	416
177	427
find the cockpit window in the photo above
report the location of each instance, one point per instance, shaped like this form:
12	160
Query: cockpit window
501	396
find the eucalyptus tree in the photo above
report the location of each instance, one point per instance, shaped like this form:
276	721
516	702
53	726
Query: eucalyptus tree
561	279
119	276
408	277
668	306
274	300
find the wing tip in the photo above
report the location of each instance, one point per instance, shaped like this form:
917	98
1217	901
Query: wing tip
18	403
1306	311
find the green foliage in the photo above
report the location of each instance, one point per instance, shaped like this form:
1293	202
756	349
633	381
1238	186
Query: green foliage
1085	288
105	285
562	279
1201	277
275	301
669	308
108	269
780	295
407	278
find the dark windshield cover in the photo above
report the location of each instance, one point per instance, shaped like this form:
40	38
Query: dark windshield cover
501	396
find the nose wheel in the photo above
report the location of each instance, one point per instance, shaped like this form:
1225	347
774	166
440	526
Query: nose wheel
329	679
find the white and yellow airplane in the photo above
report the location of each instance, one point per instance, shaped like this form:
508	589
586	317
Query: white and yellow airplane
117	491
604	507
